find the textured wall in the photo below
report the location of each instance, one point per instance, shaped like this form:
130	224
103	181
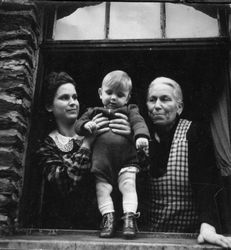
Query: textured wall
19	33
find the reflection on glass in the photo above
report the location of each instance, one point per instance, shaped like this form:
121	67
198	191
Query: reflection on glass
185	21
85	23
134	20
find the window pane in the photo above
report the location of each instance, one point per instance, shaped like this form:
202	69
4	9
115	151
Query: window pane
85	23
185	21
134	20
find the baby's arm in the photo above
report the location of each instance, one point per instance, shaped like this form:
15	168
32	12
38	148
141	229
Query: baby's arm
139	128
137	122
85	118
90	126
142	143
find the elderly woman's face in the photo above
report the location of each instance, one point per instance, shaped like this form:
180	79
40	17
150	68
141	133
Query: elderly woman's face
65	105
162	105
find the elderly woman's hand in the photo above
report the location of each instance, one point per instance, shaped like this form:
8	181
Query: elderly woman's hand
208	235
120	125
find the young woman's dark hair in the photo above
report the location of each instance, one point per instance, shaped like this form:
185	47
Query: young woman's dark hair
53	81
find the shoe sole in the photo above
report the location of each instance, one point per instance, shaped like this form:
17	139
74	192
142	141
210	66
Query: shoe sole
107	236
129	236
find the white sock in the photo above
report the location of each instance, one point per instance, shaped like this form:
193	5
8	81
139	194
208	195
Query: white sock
103	193
127	186
105	208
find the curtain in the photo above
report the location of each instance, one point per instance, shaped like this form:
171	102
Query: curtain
66	10
221	137
209	9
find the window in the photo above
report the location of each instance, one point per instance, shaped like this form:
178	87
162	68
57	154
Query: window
85	23
188	43
135	20
186	21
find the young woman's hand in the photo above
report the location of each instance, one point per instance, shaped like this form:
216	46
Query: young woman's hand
120	125
101	122
208	235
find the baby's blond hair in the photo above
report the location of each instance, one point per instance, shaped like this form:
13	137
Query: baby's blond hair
118	79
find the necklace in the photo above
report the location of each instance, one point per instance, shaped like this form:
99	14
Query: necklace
64	147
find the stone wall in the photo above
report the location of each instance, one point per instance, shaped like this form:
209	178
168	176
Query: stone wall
19	38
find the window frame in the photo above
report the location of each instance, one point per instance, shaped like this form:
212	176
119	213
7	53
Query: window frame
48	44
51	13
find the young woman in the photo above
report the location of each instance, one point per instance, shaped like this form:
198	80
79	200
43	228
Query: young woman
68	195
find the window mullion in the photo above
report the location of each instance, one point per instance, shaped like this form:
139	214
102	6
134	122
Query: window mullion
107	19
222	18
163	19
55	22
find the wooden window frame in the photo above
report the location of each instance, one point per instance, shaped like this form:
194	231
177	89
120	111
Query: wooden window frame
50	19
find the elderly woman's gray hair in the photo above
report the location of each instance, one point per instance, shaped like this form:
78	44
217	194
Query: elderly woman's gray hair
170	82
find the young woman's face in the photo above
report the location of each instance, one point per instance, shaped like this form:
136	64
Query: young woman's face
65	105
162	105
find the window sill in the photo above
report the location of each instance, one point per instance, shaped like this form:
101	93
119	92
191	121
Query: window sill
136	44
77	239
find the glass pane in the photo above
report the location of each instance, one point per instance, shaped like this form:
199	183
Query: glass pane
185	21
134	20
85	23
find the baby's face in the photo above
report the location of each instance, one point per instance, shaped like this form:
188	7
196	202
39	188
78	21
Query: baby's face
113	98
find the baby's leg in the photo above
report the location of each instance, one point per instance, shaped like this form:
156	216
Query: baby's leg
106	208
127	186
103	193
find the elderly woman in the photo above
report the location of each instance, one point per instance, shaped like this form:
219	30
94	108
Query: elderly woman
64	158
184	177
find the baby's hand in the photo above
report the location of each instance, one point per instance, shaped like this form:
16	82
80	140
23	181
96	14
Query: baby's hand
142	143
90	126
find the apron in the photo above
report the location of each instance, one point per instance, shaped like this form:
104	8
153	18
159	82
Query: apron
173	208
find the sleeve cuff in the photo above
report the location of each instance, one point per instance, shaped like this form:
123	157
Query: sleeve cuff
142	135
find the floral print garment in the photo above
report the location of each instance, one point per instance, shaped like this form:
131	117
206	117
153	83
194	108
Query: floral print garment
64	169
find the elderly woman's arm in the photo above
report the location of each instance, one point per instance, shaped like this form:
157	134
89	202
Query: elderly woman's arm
205	179
208	234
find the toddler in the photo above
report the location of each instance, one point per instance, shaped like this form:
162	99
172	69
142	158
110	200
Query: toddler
114	156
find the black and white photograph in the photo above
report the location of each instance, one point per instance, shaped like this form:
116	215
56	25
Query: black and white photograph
80	80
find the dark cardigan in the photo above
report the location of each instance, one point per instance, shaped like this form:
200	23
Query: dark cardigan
136	121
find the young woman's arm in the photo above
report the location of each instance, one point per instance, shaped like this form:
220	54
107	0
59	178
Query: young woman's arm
58	172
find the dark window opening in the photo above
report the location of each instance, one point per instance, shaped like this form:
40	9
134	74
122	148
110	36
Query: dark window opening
198	63
201	73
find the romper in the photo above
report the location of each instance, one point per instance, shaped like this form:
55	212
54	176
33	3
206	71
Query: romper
112	152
